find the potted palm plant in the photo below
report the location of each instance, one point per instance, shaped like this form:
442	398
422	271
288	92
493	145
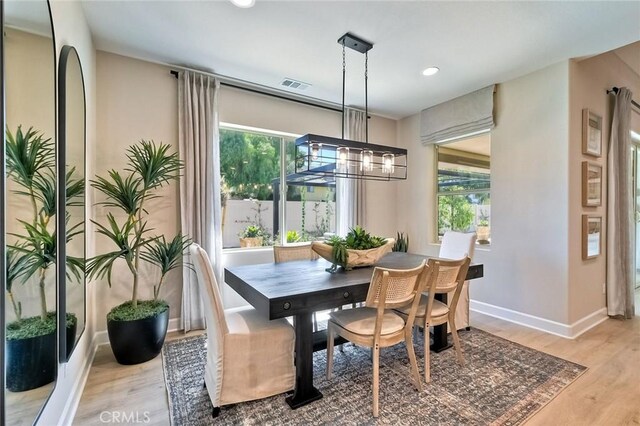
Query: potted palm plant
137	328
31	340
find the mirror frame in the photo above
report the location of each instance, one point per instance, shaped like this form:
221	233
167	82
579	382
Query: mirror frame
61	249
3	229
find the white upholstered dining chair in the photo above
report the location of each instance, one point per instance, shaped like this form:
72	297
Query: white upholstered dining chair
376	325
445	276
248	356
458	245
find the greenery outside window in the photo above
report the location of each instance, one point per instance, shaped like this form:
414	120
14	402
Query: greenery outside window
463	188
255	212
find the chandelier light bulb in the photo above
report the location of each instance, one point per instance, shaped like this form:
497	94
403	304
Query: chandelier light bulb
244	3
367	160
387	163
315	150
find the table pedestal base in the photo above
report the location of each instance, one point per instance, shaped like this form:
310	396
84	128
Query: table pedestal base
304	391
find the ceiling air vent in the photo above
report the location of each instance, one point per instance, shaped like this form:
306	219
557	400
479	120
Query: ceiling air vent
290	83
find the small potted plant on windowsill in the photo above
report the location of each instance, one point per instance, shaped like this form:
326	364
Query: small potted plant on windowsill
252	236
483	230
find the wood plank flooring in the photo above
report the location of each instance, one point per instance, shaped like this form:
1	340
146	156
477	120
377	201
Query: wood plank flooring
607	394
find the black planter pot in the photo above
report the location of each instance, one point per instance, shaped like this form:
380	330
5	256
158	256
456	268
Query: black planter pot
71	337
135	342
31	362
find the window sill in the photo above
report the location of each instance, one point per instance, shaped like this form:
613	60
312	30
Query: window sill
247	249
478	247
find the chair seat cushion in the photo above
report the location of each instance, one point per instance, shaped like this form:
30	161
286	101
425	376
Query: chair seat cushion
363	321
439	309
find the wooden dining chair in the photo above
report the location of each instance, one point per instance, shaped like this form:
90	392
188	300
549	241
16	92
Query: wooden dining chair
445	276
376	325
298	251
248	356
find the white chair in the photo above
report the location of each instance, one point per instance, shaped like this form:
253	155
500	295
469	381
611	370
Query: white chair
458	245
248	356
376	325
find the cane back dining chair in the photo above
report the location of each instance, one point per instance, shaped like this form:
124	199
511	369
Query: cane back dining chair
248	356
445	276
376	325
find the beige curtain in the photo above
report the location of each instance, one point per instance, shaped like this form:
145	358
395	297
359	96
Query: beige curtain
620	238
200	209
350	193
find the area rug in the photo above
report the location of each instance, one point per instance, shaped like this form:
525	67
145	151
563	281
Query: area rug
502	383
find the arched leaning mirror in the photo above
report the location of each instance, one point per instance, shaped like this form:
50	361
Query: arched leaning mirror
71	177
29	314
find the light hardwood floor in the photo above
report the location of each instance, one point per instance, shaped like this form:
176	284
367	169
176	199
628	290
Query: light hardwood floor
607	394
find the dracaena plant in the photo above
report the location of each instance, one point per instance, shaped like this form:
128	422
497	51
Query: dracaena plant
150	166
31	165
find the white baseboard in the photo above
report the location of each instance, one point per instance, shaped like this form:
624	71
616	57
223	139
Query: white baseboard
568	331
102	337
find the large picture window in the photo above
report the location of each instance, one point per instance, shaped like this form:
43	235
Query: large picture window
464	184
254	211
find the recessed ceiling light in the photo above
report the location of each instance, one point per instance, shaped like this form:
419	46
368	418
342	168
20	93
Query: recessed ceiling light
430	71
244	3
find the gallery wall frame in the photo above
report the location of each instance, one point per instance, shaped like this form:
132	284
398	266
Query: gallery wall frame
591	236
591	133
591	184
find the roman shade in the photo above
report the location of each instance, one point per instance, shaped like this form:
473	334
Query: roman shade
463	116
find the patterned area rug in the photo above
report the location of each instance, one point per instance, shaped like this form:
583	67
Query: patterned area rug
502	383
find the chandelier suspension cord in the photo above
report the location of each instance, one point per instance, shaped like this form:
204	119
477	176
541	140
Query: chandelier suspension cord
344	70
366	99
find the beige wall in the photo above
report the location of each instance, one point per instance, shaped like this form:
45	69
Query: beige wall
589	81
526	265
138	99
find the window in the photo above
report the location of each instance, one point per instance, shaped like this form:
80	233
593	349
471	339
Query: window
464	183
251	165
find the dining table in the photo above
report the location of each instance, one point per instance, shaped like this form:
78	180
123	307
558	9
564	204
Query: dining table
299	288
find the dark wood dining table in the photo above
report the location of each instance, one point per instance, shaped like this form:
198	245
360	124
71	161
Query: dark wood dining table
300	288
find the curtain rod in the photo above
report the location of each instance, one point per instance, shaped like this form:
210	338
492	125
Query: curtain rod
616	90
268	92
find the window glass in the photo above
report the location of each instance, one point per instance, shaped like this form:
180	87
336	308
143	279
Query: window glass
464	184
310	204
250	167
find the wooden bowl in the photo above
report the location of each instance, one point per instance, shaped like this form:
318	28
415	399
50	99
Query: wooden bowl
357	258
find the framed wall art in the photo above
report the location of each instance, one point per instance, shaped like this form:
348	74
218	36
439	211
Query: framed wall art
591	184
591	133
591	236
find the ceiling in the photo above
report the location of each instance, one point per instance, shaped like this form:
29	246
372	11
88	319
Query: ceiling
473	43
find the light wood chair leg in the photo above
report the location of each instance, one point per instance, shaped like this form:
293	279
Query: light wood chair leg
427	355
456	340
412	360
376	379
330	338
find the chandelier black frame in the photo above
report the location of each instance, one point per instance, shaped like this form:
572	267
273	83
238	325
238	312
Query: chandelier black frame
328	157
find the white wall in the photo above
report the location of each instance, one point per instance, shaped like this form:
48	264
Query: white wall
71	28
526	266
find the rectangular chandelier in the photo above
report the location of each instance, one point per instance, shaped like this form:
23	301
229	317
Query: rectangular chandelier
342	158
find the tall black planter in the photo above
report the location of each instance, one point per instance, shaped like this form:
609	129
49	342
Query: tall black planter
135	342
71	337
31	362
